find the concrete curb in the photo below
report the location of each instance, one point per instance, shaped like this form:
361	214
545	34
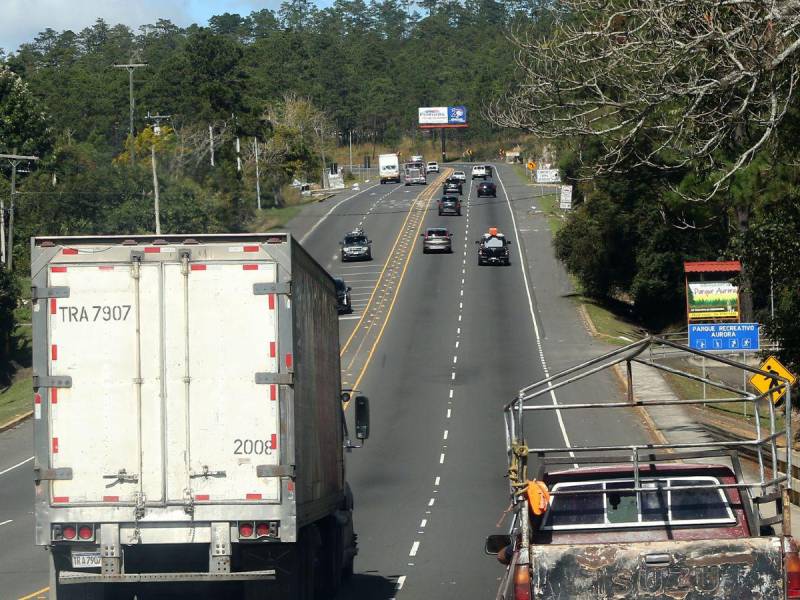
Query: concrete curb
15	421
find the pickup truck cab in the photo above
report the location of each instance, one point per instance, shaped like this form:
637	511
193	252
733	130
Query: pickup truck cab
432	167
643	520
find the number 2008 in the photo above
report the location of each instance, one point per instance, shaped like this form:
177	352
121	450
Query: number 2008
251	447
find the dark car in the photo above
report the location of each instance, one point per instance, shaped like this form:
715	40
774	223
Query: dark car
493	249
436	239
343	302
487	188
356	246
453	186
449	205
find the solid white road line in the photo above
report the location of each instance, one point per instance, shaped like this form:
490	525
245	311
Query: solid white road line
19	464
6	522
334	207
533	319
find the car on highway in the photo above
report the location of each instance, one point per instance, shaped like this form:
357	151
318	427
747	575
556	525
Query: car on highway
436	239
487	188
460	176
449	205
452	186
479	172
343	303
432	167
356	246
493	248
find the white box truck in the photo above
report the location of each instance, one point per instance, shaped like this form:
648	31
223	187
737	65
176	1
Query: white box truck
189	422
389	168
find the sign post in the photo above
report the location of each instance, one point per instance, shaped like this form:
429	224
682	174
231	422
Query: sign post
566	197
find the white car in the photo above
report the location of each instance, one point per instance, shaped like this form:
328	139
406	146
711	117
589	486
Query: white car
432	167
460	175
479	171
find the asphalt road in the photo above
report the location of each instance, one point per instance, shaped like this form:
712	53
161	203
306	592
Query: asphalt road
455	342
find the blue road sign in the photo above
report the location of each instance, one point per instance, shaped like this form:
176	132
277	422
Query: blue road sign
737	337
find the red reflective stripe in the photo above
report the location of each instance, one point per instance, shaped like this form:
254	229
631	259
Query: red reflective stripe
60	499
251	248
202	497
69	251
198	267
58	269
289	361
274	441
55	445
106	268
53	395
152	250
250	267
53	306
272	349
253	496
37	398
110	498
54	352
290	486
273	392
271	299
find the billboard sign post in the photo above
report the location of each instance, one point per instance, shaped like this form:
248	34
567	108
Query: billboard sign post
713	300
547	176
566	197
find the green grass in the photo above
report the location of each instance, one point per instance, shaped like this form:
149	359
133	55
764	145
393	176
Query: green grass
610	325
274	218
15	400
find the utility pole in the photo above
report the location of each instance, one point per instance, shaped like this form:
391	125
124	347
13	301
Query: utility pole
351	150
211	142
7	258
156	119
131	67
258	176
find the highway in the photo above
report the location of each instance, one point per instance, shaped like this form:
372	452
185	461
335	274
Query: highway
439	345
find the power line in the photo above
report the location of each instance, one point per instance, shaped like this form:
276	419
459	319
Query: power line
131	67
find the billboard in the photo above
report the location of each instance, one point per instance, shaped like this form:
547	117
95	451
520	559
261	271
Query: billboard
548	176
442	116
712	300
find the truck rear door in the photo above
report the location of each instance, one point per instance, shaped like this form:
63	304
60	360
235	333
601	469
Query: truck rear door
106	426
222	424
696	570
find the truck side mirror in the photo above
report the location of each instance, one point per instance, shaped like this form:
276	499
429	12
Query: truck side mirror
477	241
508	242
345	397
495	543
362	417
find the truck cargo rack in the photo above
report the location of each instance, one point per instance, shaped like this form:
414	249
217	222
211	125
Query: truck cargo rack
771	486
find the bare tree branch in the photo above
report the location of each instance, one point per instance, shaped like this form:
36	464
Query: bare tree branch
659	83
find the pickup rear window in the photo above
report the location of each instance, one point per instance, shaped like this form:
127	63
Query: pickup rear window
601	506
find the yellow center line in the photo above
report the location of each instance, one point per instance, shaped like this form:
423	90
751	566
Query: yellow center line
394	298
35	594
385	265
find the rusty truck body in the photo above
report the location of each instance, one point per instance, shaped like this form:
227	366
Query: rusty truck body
657	520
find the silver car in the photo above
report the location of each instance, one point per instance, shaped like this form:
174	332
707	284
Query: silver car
436	239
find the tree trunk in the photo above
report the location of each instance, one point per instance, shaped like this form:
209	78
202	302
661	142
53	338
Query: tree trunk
745	281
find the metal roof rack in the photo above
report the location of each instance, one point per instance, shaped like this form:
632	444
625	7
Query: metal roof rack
764	445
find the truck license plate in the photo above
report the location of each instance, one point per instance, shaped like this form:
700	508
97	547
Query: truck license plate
85	560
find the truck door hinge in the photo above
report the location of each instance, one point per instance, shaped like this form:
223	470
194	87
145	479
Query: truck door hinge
59	474
285	378
40	293
52	381
282	287
122	476
275	471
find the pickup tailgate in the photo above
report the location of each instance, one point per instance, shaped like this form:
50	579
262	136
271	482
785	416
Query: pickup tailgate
696	570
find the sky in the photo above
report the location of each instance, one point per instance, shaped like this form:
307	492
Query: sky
21	20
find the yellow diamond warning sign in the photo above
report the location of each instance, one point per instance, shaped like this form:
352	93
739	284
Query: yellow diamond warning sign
762	383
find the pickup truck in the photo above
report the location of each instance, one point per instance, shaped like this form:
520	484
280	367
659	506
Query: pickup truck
645	521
